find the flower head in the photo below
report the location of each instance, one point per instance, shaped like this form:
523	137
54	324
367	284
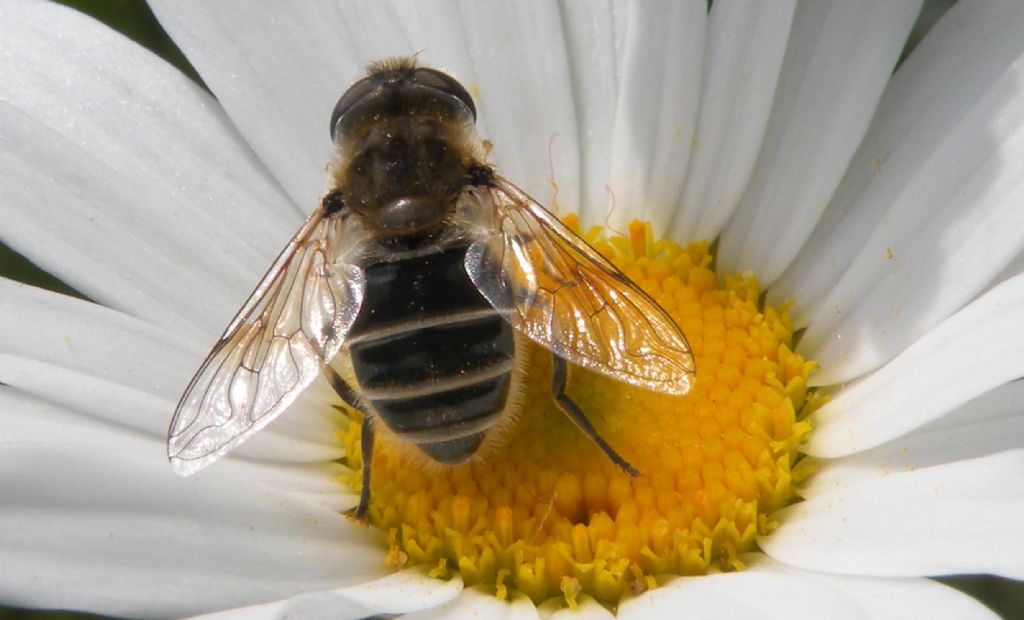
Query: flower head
880	213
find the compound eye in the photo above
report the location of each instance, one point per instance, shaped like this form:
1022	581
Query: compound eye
351	97
446	84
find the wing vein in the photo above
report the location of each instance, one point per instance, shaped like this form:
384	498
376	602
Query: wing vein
275	345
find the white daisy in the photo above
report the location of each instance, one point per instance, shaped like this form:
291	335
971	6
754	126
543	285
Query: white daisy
887	209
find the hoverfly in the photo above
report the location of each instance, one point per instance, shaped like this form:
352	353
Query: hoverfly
425	271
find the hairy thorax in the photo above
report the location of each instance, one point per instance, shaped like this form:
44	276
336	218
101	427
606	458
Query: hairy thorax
405	173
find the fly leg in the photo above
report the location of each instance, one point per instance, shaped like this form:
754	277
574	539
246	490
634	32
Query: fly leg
348	395
571	409
366	442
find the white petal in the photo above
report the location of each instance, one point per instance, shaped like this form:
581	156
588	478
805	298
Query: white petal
901	597
973	351
839	59
744	594
278	72
771	591
590	40
961	517
120	369
473	604
266	611
986	425
511	56
116	533
930	210
90	357
402	592
525	99
904	598
912	120
124	178
1013	269
30	420
318	483
660	57
971	46
746	43
588	609
27	419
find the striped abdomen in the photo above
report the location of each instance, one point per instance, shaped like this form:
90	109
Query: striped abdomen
432	357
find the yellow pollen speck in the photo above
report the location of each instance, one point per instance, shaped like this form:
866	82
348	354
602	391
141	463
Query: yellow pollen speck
548	515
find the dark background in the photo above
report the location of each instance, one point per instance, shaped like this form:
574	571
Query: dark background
134	19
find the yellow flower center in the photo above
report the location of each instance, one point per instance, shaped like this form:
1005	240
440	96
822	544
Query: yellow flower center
547	514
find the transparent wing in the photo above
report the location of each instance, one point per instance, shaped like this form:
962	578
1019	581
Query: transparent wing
295	321
564	295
